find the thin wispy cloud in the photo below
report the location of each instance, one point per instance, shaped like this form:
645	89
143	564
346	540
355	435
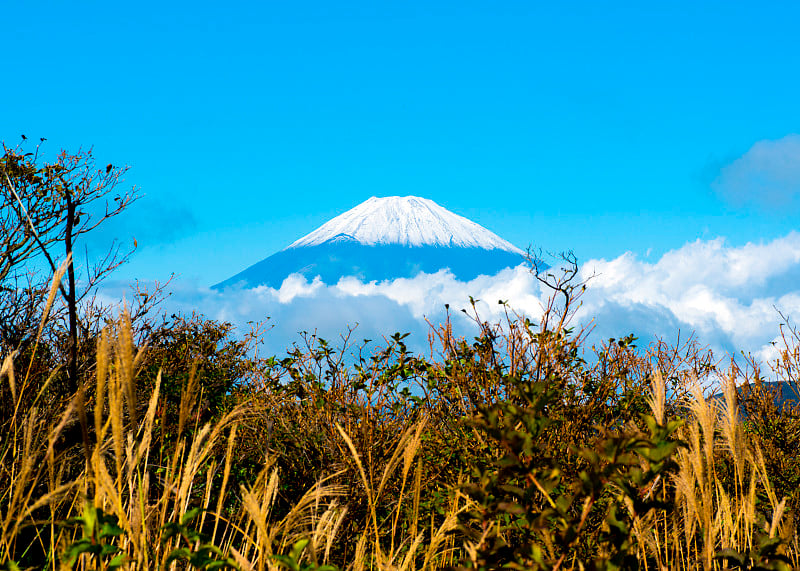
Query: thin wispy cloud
151	222
766	176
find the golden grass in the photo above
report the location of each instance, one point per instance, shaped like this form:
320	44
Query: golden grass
711	514
127	475
119	471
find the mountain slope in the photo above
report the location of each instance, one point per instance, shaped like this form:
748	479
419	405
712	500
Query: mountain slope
383	239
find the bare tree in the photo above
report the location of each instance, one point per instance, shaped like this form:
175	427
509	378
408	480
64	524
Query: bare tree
45	208
564	281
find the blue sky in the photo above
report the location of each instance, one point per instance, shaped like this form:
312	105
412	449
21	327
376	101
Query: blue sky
592	126
601	127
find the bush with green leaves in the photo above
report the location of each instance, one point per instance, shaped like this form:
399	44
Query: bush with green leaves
529	513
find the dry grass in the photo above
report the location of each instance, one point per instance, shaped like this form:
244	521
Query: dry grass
721	489
122	478
712	513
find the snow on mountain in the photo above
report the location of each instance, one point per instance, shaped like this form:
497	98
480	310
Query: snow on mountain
407	221
384	239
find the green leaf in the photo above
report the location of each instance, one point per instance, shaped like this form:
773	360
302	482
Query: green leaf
177	554
79	547
731	556
118	561
190	515
106	549
298	548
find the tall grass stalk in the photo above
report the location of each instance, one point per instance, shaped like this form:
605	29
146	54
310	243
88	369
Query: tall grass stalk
144	492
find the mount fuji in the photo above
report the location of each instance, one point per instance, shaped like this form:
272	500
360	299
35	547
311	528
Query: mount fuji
383	239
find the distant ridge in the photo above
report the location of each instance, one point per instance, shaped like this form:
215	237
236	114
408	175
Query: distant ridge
783	393
383	239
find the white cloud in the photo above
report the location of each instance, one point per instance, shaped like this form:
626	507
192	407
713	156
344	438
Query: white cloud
293	286
727	295
767	175
378	309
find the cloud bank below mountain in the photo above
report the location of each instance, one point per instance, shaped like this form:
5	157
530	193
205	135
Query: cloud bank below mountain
730	296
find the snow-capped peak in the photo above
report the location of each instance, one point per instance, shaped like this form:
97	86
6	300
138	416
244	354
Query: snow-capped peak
407	221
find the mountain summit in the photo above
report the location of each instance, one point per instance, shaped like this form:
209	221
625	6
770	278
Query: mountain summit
407	221
386	238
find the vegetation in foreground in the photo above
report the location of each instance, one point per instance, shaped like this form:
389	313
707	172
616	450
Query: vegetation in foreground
166	442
